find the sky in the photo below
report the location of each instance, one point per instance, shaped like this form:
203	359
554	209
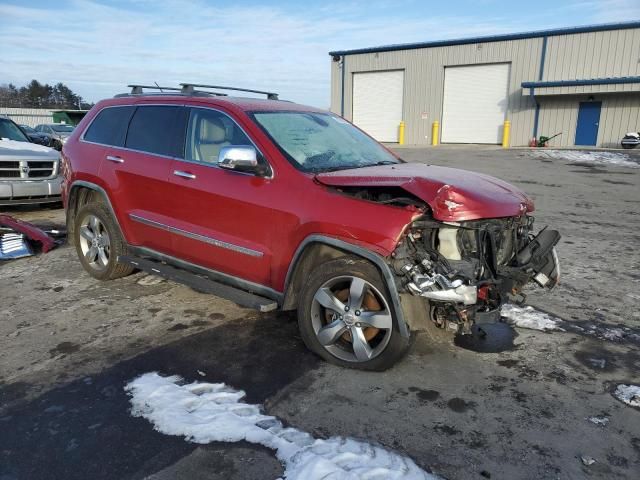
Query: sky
98	47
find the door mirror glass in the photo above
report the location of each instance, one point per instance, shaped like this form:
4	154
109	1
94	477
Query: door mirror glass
238	157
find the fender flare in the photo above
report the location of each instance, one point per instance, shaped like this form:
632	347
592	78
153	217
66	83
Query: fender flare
374	258
97	188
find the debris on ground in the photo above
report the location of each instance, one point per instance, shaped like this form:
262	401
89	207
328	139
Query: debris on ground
616	159
213	412
529	317
600	421
629	394
588	460
20	239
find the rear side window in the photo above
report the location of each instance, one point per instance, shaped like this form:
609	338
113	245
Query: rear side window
157	129
110	126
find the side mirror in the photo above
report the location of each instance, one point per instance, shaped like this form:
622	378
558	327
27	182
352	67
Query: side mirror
238	157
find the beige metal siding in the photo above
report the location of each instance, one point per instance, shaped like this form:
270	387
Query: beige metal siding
613	53
620	114
424	81
336	89
603	54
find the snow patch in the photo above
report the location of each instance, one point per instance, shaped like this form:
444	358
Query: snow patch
600	421
210	412
580	156
529	317
15	145
629	394
149	280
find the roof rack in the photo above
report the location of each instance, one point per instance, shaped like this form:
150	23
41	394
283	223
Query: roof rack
190	88
139	90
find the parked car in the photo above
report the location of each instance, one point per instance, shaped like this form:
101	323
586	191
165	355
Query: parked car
279	205
29	173
630	140
36	137
59	133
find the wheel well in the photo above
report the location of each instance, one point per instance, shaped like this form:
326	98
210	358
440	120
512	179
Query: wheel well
313	255
78	197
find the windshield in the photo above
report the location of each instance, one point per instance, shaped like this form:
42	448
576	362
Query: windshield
27	129
320	142
10	131
62	128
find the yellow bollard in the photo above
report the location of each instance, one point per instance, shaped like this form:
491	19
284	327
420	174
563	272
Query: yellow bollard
506	133
401	134
434	133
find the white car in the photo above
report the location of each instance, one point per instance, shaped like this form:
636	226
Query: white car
29	173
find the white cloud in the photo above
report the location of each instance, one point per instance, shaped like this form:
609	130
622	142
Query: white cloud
97	49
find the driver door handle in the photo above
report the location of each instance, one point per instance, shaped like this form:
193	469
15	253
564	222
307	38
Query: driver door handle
113	158
182	174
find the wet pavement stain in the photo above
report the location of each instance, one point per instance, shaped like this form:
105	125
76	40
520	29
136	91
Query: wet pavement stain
460	405
488	338
64	348
425	395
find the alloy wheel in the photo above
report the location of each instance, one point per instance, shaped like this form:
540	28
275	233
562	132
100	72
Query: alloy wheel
351	319
95	243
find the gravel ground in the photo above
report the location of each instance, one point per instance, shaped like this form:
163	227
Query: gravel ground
520	404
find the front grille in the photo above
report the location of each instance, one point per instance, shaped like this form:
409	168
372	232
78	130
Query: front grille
27	169
40	169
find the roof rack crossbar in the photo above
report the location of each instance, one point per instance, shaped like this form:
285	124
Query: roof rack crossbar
138	89
190	87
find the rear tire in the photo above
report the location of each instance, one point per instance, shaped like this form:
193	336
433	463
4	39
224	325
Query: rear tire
339	305
99	243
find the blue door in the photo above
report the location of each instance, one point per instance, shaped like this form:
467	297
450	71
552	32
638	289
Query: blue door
588	121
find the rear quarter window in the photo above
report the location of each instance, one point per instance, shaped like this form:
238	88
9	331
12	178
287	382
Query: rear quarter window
157	129
110	126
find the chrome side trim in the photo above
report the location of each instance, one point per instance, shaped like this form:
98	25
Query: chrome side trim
213	274
196	236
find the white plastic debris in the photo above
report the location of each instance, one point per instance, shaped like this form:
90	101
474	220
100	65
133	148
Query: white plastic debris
214	412
600	421
629	394
588	460
529	317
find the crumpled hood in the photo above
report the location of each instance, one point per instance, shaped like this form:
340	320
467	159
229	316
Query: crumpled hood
452	194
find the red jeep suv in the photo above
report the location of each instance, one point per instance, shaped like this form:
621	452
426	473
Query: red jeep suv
277	205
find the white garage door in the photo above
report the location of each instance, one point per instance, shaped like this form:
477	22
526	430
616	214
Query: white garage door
377	103
475	103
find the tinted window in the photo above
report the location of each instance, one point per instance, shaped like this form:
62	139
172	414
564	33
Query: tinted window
156	129
208	132
110	126
10	131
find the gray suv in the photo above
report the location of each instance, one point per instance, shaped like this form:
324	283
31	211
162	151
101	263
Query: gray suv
59	132
29	173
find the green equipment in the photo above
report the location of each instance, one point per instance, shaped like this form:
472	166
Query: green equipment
542	142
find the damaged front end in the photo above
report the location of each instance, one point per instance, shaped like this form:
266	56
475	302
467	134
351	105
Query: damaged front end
465	271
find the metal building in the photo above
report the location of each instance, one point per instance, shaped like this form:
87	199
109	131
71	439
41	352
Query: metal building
583	82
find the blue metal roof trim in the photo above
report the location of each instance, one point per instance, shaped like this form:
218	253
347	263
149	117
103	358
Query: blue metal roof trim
575	83
492	38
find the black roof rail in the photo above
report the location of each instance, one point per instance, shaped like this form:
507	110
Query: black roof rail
139	90
190	88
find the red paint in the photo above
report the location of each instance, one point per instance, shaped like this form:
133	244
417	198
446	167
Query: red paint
30	231
476	195
268	215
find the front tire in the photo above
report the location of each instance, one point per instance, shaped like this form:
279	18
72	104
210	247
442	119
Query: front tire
99	243
346	316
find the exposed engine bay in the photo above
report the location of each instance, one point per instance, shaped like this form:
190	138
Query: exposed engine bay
467	270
